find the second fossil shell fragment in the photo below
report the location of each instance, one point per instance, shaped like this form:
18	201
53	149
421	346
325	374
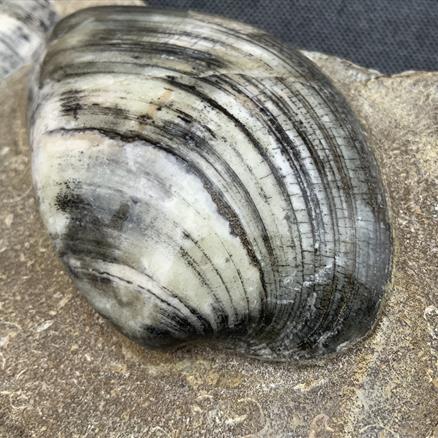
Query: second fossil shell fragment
24	25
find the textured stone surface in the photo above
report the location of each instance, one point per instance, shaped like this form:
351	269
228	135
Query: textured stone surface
66	372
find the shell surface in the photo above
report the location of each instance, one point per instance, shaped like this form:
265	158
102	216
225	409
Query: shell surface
23	29
200	180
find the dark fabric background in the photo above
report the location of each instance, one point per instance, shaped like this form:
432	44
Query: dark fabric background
388	35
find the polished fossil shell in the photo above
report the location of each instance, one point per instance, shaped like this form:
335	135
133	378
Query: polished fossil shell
24	25
200	180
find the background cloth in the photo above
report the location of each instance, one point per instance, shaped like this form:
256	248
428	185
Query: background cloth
388	35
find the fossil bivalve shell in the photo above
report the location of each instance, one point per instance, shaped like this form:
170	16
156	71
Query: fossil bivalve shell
200	180
24	25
